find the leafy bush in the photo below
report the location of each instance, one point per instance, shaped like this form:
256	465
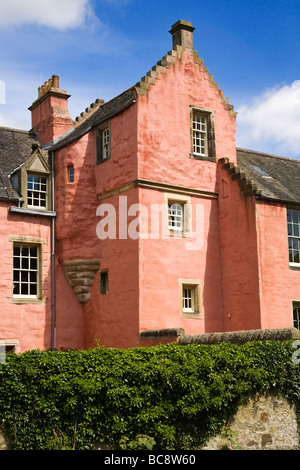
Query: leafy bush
178	395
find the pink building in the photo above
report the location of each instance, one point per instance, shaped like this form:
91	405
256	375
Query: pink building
141	220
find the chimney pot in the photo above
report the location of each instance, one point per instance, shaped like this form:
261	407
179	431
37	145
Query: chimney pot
55	81
182	34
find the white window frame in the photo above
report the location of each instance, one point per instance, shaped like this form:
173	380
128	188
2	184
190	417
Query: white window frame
31	267
200	134
293	235
175	215
195	307
103	143
185	218
28	241
41	195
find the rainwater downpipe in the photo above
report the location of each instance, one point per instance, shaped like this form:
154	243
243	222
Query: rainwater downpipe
53	329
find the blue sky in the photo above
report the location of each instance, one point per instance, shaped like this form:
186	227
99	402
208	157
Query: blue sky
101	47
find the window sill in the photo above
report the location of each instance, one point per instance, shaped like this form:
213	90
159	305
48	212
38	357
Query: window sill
99	162
24	300
294	266
199	157
193	315
178	233
35	212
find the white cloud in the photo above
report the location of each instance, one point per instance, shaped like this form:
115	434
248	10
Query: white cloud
58	14
272	121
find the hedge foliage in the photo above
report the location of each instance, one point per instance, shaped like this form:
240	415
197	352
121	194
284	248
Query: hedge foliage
178	395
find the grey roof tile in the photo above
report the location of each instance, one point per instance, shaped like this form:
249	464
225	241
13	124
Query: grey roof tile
15	148
277	178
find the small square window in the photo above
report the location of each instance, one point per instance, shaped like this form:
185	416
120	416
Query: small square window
103	282
178	215
190	298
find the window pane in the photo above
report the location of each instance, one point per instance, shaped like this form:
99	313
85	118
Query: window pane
25	263
16	289
24	289
33	289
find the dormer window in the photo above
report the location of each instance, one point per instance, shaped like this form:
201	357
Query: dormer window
36	191
34	181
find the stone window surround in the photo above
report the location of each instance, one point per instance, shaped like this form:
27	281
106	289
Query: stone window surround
196	285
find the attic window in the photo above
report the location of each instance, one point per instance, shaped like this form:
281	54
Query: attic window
36	191
260	171
202	132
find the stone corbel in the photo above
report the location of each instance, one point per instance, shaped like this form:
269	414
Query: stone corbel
81	274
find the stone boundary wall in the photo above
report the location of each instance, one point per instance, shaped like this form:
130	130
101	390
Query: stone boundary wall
265	422
235	337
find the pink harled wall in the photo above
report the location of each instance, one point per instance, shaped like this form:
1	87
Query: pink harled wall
239	256
29	323
110	319
279	284
164	146
164	261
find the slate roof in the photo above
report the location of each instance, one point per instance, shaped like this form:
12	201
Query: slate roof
15	148
276	178
96	118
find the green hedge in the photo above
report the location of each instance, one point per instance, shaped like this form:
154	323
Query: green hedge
178	395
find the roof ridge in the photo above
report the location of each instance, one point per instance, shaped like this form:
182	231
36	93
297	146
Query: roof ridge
267	154
11	129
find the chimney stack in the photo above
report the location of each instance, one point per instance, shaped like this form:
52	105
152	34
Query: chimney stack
182	34
50	116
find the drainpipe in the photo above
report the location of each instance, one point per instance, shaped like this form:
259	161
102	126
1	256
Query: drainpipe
52	257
